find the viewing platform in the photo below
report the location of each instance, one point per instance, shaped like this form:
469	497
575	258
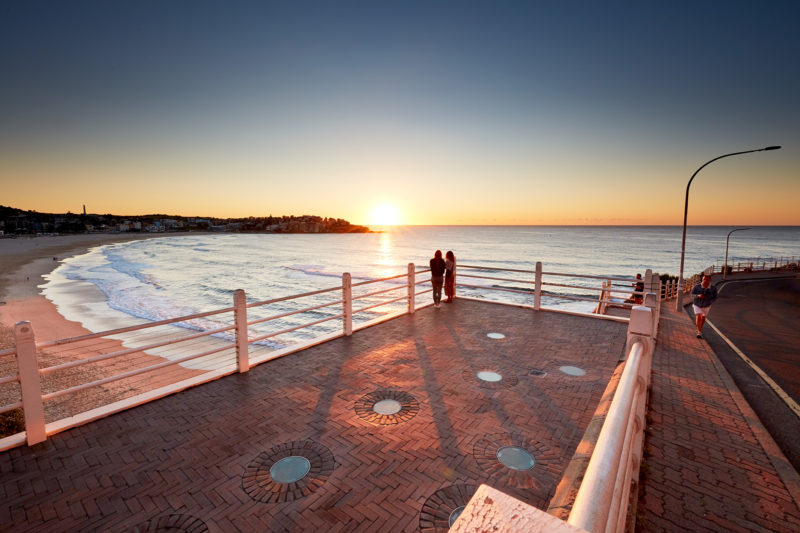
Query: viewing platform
395	427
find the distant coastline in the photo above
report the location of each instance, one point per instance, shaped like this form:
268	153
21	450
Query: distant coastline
18	222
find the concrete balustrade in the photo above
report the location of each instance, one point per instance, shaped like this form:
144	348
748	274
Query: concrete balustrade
602	501
30	383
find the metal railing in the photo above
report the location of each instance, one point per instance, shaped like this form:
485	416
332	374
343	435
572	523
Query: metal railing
753	266
128	366
549	285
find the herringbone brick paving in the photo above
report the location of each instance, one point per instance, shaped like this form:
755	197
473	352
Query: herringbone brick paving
183	457
705	468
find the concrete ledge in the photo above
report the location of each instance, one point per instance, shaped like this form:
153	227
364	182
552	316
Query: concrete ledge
491	510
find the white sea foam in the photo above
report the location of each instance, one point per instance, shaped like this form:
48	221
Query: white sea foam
168	277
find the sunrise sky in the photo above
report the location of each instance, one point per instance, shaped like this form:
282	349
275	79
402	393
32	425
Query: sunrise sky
442	112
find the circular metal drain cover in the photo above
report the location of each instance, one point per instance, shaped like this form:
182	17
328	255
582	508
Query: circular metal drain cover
495	335
515	457
280	474
514	460
455	514
290	469
573	371
387	407
490	377
443	507
538	373
174	523
487	375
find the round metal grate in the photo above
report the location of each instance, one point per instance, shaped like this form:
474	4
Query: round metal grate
520	462
455	514
486	375
288	471
538	373
387	407
515	457
573	371
490	377
443	507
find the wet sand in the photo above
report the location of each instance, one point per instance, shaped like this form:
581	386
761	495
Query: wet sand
23	263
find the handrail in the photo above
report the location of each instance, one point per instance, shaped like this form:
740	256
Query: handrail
367	295
497	279
132	373
137	327
127	351
289	330
600	503
9	379
10	407
292	297
290	313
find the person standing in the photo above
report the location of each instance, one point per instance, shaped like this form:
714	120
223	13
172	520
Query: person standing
703	295
638	296
437	277
450	276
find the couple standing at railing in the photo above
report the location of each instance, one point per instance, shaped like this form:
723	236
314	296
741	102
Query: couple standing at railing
443	272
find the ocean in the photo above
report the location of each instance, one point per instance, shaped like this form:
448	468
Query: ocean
122	284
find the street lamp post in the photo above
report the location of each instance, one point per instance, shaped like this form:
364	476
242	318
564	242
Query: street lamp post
679	299
727	240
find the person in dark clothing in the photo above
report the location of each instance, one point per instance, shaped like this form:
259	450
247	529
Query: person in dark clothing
638	289
703	295
450	277
437	277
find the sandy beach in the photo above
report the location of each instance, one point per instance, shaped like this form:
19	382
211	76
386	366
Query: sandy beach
23	263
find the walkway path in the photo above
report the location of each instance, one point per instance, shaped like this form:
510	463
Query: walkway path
709	463
204	458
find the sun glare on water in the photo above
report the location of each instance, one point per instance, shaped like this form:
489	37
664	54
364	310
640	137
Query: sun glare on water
385	215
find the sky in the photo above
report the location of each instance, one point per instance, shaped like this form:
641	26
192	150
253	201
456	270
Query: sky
463	112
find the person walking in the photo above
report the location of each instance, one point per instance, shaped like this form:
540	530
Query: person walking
703	295
437	277
450	276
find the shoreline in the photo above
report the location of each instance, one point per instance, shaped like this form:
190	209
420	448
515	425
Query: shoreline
24	262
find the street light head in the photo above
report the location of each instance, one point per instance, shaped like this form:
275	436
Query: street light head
772	148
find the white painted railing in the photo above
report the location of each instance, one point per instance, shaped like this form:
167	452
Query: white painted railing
755	266
602	502
539	286
148	361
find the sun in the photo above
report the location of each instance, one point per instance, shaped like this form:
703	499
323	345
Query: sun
385	215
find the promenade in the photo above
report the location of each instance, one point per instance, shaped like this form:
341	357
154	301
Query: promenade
709	464
200	460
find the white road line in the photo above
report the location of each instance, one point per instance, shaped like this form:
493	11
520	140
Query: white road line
777	388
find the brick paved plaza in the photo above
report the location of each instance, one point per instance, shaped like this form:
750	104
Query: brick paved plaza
207	458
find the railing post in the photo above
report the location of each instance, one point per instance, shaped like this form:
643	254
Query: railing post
28	366
347	303
613	466
537	291
651	302
240	319
641	327
412	279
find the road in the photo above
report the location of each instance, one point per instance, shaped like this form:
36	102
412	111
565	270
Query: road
761	318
